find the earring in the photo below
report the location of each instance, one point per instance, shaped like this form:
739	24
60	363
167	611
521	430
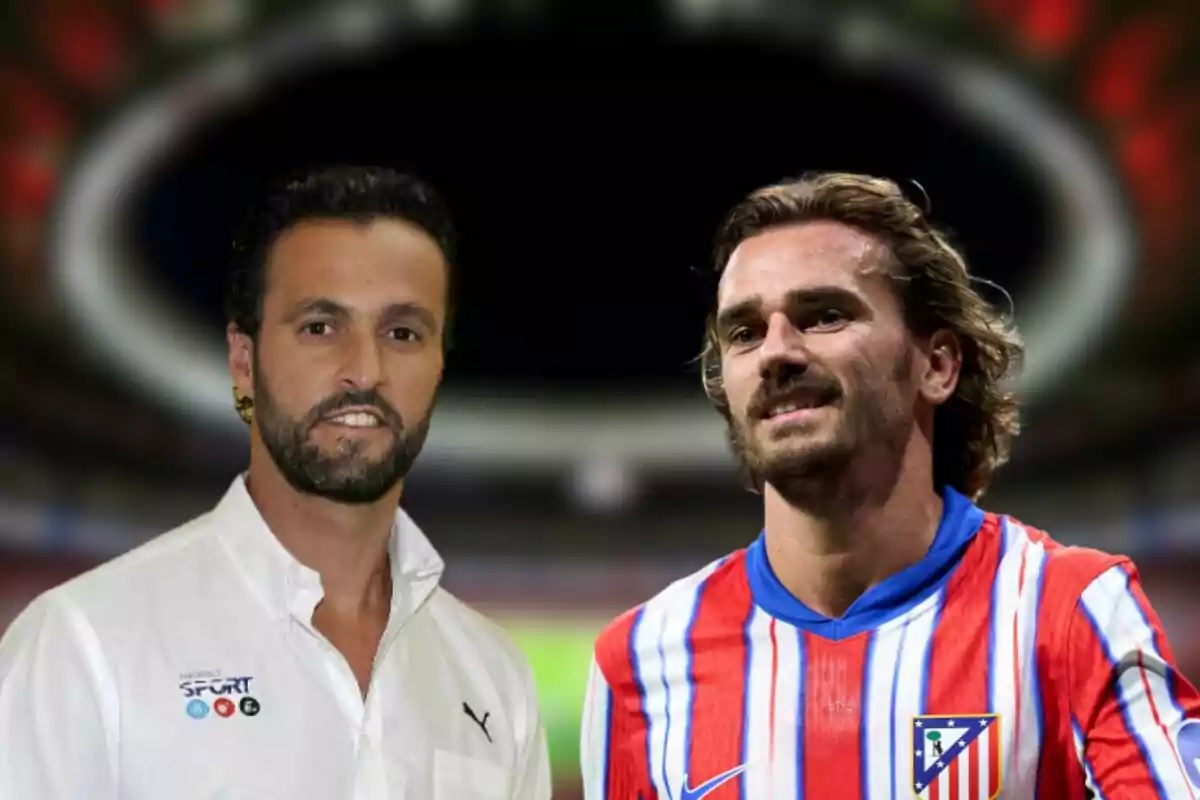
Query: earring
244	406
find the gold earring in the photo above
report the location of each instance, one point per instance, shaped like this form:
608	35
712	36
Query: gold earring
244	406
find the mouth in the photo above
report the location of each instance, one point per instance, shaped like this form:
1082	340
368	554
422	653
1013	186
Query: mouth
355	418
792	404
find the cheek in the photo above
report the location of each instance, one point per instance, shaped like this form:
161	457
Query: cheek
885	388
297	389
287	370
880	366
739	385
864	380
415	385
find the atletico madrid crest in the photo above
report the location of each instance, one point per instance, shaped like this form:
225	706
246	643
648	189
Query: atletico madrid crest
956	757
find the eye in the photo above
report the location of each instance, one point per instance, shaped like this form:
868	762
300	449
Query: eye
315	328
827	319
405	335
741	335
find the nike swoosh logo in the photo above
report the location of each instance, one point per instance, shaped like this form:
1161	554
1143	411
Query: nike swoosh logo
711	785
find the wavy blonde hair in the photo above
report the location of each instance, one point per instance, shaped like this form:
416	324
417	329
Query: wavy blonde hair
974	430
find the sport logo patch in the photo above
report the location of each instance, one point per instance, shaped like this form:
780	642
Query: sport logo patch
196	685
1188	742
956	757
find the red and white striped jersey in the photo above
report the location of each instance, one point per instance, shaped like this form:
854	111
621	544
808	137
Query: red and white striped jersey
1002	665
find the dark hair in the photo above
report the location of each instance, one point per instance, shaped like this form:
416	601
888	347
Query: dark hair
342	192
974	429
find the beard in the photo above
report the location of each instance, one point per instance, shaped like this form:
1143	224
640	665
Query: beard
866	413
347	474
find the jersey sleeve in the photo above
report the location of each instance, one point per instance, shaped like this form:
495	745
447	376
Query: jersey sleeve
58	707
1136	719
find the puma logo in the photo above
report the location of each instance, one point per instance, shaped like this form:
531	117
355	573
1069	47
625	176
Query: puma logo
482	723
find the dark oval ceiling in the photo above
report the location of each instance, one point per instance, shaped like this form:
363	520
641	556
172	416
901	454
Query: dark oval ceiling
586	180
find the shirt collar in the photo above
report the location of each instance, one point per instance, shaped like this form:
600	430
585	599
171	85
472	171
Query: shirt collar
289	588
896	595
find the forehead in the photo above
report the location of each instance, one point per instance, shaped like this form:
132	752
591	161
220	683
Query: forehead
360	264
801	256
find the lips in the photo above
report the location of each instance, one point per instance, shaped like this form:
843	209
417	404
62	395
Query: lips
356	418
796	400
787	406
357	410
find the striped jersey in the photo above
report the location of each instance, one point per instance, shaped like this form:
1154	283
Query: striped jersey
1003	665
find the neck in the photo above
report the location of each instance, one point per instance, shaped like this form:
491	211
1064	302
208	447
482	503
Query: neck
856	531
347	545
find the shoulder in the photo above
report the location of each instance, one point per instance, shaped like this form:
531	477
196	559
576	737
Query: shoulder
486	638
673	609
1064	572
111	594
481	648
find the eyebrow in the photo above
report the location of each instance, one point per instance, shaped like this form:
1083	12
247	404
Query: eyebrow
393	313
317	305
751	307
397	312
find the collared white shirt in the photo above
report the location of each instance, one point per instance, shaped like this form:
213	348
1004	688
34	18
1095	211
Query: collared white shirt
189	668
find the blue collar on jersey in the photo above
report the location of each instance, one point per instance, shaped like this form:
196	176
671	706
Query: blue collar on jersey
961	520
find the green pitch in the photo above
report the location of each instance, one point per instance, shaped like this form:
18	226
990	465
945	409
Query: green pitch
559	651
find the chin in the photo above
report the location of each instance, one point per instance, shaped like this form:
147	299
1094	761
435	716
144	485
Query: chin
801	459
795	442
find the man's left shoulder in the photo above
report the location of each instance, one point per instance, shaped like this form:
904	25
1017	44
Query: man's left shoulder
471	657
474	636
1067	570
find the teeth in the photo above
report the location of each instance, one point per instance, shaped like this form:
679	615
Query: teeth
356	420
786	408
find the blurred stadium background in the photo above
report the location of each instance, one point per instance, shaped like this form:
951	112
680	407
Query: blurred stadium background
588	149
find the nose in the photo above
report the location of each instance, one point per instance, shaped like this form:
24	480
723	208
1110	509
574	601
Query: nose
362	366
782	349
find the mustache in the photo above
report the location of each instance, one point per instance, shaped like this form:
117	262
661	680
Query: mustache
361	397
823	387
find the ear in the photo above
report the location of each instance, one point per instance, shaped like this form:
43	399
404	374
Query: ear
241	360
943	364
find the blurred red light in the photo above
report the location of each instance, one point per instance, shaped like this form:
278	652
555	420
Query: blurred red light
1155	158
1121	78
27	108
1045	28
27	180
85	41
1050	28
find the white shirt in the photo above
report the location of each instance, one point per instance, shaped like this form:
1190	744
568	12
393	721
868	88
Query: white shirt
189	668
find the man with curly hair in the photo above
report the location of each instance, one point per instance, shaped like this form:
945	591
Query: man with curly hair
883	636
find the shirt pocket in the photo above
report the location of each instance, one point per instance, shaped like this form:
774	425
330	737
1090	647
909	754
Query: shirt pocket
459	777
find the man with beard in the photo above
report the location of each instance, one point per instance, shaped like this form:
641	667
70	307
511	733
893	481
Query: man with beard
883	637
293	642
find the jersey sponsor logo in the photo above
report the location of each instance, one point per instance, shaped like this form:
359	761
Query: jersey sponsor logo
216	686
1188	742
964	741
196	685
710	785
